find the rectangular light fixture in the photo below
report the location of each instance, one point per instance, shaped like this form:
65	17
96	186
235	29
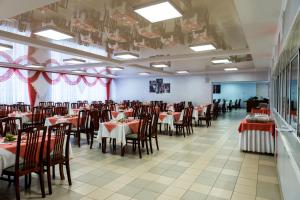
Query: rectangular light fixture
5	47
34	66
78	71
53	34
182	72
126	55
156	12
144	73
231	69
115	68
73	61
221	61
203	47
160	64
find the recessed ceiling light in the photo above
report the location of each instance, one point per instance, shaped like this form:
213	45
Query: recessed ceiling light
34	66
160	65
74	61
115	68
5	47
126	56
203	47
144	73
53	34
221	61
182	72
231	69
78	71
158	12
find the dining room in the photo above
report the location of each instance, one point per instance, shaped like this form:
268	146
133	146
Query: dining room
149	99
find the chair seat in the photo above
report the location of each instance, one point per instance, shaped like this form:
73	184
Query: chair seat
132	136
11	169
178	123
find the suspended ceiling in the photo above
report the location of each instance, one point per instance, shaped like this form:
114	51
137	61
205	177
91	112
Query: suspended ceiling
242	30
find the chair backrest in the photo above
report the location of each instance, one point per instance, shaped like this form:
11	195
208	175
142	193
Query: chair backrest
94	117
10	125
31	150
58	104
208	110
82	119
74	105
36	114
143	126
47	112
61	110
43	104
50	103
105	115
56	147
154	123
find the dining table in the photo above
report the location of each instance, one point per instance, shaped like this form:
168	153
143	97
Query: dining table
25	116
122	114
257	136
50	121
168	119
117	130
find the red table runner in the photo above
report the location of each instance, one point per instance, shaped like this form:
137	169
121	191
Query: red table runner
264	126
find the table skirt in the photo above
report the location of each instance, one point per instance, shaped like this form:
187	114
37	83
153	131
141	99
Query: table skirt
257	141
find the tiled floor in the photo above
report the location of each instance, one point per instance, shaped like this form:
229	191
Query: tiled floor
206	165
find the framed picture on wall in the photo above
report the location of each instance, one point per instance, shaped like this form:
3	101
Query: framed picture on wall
153	87
167	87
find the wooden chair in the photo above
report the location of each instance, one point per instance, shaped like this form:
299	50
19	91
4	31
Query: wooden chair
153	131
58	104
29	158
36	117
46	113
50	103
206	117
81	126
3	110
141	136
10	125
61	110
58	151
94	118
180	125
42	104
74	105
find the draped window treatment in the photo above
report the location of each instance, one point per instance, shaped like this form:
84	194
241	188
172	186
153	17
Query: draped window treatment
18	85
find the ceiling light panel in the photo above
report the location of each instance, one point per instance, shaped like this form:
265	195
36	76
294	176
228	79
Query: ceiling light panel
159	12
231	69
5	47
204	47
53	34
221	61
126	56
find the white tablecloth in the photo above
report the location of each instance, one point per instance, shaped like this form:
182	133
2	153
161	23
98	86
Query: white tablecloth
257	141
169	120
119	132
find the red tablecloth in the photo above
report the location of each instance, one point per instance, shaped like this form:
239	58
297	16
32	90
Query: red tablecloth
54	120
264	126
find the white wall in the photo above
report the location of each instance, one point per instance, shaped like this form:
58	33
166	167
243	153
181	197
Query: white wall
196	88
262	90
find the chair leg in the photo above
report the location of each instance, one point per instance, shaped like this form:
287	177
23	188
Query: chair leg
156	140
17	187
139	146
87	137
147	147
61	172
92	139
53	171
78	138
68	172
49	179
150	143
103	145
41	176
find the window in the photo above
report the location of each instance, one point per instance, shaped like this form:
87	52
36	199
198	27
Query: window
294	92
216	89
287	107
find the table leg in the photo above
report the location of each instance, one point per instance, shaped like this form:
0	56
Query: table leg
103	145
122	149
